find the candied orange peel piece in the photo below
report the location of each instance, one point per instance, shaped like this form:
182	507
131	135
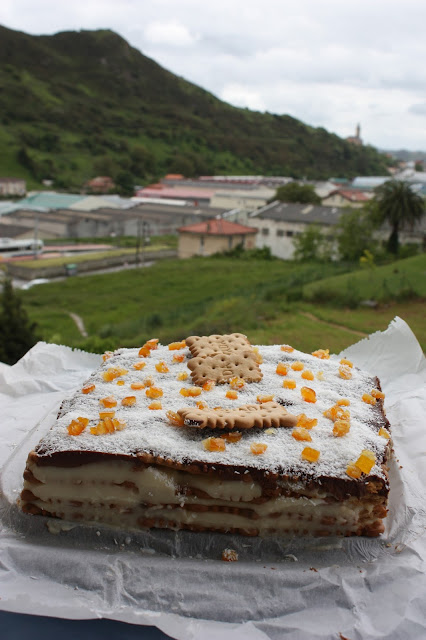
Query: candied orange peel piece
262	399
175	418
162	367
305	422
174	346
232	436
322	354
368	399
108	413
258	448
297	366
113	372
257	356
307	375
343	402
139	365
152	344
289	384
182	375
384	433
154	406
345	372
353	471
178	357
154	392
287	348
107	355
237	383
214	444
88	388
341	428
149	381
232	395
120	383
366	461
309	454
137	386
109	401
128	401
281	369
209	385
336	412
347	363
107	425
308	394
300	433
201	404
77	426
320	375
377	394
190	392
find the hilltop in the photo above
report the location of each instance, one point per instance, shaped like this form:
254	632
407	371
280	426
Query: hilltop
78	104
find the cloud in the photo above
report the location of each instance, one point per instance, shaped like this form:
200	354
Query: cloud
419	109
329	63
242	96
169	34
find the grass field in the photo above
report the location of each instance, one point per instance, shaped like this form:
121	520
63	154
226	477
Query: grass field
269	300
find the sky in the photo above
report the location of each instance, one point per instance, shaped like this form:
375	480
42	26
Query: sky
329	63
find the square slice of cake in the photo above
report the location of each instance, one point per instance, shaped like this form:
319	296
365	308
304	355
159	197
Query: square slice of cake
213	434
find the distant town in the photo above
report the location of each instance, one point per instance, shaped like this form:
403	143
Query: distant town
209	214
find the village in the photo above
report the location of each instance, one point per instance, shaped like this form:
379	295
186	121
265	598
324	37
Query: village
209	214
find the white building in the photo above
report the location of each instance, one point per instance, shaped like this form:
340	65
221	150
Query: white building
279	222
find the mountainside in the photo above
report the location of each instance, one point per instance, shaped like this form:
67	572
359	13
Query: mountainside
78	104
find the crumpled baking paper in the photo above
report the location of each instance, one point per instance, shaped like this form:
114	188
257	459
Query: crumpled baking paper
360	588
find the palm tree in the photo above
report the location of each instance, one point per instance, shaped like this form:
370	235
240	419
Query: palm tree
397	204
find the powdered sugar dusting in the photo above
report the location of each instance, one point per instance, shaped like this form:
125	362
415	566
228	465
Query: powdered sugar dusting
150	431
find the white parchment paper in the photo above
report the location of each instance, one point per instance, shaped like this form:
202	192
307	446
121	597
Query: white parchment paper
294	588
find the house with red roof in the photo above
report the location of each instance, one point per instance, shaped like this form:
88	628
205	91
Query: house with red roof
214	236
346	198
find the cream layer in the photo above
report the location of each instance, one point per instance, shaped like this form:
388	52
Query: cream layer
308	518
102	480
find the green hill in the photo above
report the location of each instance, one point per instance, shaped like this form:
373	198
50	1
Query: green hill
78	104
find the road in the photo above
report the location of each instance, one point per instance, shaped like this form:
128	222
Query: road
17	283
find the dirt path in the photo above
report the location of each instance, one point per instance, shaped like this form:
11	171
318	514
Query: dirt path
80	324
333	324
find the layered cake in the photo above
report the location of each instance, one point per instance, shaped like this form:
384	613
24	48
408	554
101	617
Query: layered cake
213	434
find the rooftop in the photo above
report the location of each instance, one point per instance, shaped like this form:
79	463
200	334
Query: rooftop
218	227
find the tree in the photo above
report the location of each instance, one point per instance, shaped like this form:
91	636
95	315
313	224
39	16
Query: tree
311	244
398	205
354	234
125	183
17	333
296	192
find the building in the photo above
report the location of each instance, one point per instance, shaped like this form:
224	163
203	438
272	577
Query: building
346	198
356	139
243	200
12	187
100	184
214	236
158	219
280	222
197	195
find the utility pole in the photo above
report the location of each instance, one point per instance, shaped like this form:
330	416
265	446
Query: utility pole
145	235
138	240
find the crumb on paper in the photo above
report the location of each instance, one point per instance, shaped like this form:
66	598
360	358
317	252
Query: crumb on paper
229	555
56	526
